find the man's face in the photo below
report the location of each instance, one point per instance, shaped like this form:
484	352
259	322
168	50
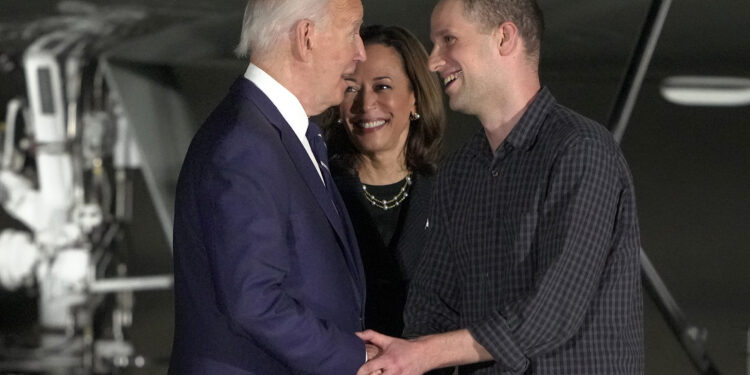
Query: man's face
340	48
463	57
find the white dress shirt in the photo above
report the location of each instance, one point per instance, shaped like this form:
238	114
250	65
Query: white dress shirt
288	104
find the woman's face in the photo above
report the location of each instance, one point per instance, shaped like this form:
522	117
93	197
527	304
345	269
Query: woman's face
378	101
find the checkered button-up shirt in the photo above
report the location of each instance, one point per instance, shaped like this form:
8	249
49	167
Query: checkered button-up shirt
535	249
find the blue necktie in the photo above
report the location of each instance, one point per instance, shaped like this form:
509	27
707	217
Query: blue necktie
320	151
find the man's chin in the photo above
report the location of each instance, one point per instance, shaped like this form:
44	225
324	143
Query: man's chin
337	100
456	104
326	103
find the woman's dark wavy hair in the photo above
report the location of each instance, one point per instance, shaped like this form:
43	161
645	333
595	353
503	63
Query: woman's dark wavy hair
423	144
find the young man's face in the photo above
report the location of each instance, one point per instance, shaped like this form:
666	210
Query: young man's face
463	55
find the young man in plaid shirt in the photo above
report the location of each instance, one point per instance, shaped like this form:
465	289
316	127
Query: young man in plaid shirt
532	266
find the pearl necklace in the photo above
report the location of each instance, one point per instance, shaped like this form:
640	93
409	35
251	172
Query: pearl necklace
387	204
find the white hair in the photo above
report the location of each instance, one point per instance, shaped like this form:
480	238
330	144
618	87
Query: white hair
267	21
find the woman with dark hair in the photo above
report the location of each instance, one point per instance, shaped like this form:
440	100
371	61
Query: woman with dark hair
384	141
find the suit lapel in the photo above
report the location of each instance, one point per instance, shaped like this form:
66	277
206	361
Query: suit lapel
306	169
413	232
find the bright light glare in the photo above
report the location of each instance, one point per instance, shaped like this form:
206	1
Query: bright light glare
707	91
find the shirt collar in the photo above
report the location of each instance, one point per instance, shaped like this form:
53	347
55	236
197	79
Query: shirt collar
523	135
287	104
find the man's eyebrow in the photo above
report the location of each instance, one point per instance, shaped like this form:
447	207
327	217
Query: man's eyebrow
438	33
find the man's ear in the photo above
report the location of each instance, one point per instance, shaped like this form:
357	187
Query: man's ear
506	38
303	39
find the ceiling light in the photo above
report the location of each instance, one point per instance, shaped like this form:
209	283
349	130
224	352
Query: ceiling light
706	91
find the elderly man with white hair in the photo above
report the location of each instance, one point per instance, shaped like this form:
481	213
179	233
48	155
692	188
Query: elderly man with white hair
268	277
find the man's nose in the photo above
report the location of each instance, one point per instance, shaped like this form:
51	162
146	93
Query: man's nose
435	60
360	55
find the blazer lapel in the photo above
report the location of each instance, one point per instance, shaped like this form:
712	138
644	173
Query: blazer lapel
306	169
413	224
336	214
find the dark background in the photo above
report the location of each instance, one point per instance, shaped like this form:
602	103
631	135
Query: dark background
690	164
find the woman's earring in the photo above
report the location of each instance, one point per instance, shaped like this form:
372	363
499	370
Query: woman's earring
339	121
414	116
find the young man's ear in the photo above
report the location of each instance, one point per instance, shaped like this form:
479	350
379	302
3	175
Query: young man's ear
303	40
506	38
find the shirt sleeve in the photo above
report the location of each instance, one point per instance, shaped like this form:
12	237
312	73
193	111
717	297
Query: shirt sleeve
574	239
433	295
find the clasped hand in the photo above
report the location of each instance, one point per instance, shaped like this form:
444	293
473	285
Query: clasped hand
391	355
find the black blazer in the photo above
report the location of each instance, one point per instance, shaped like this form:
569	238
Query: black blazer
388	270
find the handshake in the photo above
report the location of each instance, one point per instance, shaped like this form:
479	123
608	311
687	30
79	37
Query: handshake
395	356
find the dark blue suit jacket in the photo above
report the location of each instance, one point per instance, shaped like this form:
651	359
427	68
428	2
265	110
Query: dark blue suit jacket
268	277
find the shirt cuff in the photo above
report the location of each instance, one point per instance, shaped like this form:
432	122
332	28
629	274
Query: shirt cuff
494	335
